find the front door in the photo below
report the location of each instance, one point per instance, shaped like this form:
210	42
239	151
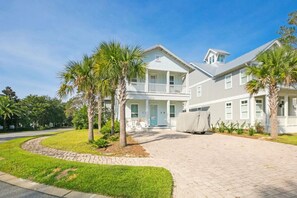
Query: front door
153	115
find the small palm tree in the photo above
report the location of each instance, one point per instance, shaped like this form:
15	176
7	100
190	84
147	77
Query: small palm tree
8	108
80	76
277	67
122	63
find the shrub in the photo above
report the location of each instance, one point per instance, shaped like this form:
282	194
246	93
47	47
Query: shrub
106	129
240	128
259	127
101	143
113	138
231	127
213	128
251	131
222	127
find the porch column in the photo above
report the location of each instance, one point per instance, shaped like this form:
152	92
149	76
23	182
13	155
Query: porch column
168	113
147	112
167	81
267	112
187	82
252	109
146	86
187	106
286	109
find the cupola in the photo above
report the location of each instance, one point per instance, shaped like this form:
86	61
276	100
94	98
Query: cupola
215	56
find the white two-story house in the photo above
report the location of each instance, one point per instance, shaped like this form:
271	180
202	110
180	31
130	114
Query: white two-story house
156	100
219	87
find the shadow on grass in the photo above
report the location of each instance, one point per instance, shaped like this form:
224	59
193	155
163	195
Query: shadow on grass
279	191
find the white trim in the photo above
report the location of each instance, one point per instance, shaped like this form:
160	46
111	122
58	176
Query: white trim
248	109
199	95
199	83
231	110
220	100
240	77
262	110
226	76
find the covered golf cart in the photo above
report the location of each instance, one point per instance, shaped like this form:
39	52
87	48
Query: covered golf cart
193	122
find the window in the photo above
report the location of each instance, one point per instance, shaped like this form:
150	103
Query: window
134	81
243	77
211	59
259	108
244	109
171	80
134	110
172	111
221	58
228	111
158	58
228	81
199	90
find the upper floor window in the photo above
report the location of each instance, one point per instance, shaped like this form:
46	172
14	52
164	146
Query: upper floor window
134	110
158	57
221	58
199	90
243	78
171	80
172	111
228	81
244	109
211	59
133	80
228	111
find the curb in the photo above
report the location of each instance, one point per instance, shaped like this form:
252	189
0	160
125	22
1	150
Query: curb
50	190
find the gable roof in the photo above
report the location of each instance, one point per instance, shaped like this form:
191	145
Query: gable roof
219	69
162	48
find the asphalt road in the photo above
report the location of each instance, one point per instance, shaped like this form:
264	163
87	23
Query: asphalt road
13	135
11	191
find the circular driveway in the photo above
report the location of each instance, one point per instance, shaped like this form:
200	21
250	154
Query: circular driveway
215	165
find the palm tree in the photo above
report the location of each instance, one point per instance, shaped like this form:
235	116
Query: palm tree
80	76
8	108
277	67
122	63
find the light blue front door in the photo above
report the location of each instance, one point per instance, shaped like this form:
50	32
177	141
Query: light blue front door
153	115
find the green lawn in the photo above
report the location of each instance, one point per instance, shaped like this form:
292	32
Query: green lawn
75	140
117	181
287	139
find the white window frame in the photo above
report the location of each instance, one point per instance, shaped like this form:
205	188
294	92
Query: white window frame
137	110
172	81
227	76
231	117
199	94
240	77
170	111
157	58
248	109
261	109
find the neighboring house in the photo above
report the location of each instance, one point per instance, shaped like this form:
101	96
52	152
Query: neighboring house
156	100
219	87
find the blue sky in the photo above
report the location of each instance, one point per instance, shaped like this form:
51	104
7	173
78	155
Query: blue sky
37	38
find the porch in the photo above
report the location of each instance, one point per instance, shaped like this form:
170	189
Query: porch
145	114
160	82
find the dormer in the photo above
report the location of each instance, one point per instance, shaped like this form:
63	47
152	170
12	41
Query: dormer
215	56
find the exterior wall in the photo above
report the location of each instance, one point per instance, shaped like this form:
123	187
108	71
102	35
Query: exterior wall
197	76
211	88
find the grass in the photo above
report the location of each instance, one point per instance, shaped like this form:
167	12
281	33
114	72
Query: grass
75	140
287	139
117	181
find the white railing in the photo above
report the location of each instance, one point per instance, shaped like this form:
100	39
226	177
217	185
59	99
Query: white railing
177	89
290	120
155	87
136	86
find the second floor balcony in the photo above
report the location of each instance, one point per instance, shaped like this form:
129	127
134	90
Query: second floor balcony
160	82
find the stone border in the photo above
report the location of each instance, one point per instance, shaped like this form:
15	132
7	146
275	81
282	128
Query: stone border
50	190
34	146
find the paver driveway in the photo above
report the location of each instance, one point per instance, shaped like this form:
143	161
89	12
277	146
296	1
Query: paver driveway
215	165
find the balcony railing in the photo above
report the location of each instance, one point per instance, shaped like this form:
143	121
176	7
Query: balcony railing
156	87
136	86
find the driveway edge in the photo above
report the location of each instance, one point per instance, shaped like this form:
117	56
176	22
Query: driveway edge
50	190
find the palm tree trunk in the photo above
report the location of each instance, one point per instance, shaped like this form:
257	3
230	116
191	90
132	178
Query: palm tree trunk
122	101
4	124
90	118
99	112
273	103
112	113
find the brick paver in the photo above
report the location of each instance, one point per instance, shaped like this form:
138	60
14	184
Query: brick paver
210	165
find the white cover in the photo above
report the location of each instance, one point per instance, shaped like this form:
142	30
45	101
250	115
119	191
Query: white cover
193	122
